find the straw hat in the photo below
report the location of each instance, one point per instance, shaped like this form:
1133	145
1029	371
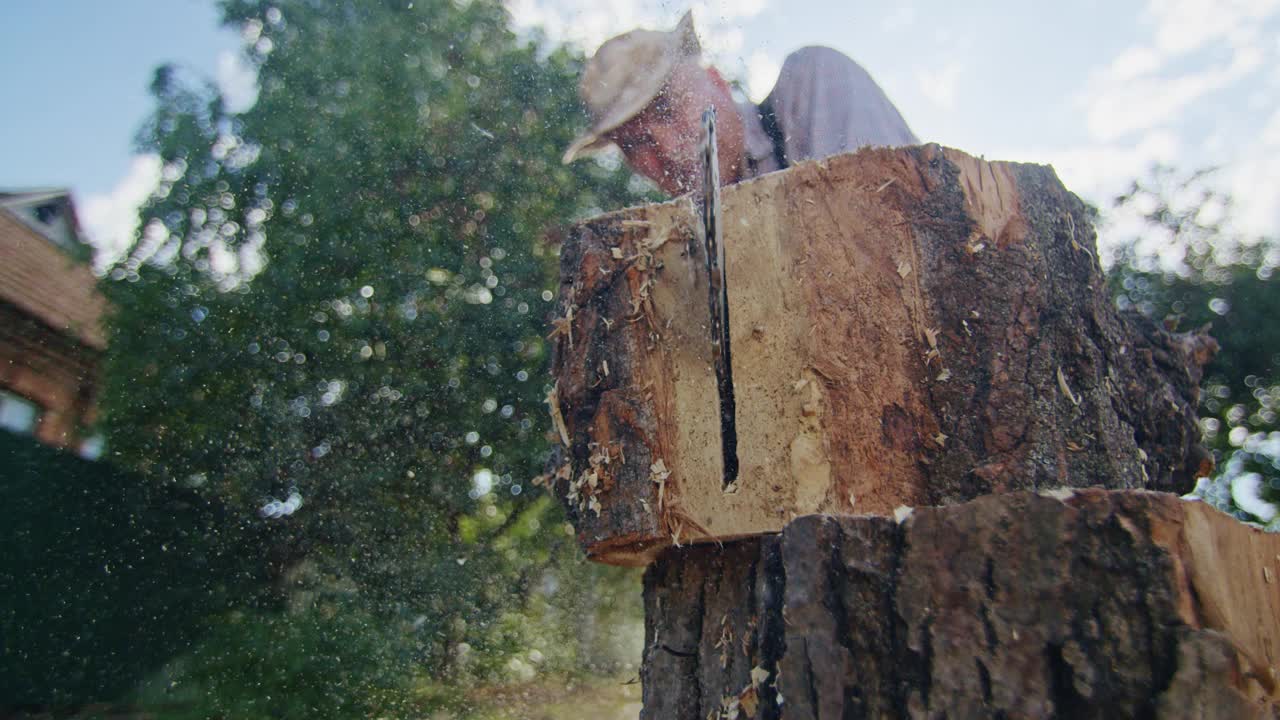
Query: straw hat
624	75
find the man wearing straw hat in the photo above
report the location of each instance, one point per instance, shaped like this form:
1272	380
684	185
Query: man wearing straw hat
646	90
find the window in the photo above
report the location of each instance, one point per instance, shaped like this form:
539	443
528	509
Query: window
48	212
18	414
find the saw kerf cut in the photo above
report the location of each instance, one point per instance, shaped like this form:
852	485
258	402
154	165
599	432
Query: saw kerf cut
718	295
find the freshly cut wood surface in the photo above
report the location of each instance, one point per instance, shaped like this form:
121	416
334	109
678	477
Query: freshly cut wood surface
1084	604
910	327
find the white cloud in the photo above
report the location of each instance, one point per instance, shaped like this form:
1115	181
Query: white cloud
1128	98
762	73
940	85
1142	87
1253	178
1134	62
1182	26
237	81
727	41
899	18
110	220
588	23
1197	53
1271	131
1100	170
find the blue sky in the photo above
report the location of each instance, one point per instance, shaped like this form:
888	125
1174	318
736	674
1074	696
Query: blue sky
76	77
1098	89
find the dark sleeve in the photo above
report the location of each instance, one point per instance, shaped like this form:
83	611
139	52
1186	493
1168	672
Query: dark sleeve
825	104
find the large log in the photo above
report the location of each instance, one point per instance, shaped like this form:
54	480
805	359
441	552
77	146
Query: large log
1093	604
911	327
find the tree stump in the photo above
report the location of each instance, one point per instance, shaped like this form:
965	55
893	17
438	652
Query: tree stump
1092	604
910	327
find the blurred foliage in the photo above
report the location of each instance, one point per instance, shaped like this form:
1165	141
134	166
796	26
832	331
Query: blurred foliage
334	661
333	325
1189	271
105	575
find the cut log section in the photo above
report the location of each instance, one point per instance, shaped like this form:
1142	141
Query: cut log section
1093	604
910	327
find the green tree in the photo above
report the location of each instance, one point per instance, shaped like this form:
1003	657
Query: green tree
1190	271
334	319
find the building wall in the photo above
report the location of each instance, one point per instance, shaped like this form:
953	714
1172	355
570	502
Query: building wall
51	337
59	376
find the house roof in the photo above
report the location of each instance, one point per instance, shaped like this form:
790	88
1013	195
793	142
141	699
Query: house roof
39	275
47	211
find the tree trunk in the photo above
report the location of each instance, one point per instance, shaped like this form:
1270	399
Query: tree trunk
1097	604
910	327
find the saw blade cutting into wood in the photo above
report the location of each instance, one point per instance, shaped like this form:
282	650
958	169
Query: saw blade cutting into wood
718	294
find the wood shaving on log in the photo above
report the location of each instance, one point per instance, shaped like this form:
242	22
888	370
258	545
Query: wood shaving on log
1066	389
557	419
658	473
563	326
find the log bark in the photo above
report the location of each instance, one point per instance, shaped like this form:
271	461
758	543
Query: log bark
1093	604
911	327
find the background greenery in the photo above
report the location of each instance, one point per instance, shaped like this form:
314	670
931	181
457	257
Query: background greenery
1188	270
339	296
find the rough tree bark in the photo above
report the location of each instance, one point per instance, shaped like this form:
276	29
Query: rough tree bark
911	327
1092	604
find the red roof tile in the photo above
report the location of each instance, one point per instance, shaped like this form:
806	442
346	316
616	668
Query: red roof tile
43	280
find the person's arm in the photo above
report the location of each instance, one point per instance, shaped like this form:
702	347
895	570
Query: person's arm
825	104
